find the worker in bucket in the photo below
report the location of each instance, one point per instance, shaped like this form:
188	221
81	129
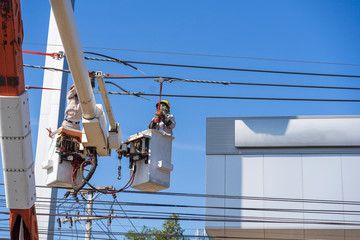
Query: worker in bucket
73	112
164	121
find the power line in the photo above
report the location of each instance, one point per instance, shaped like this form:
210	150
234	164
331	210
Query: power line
128	63
208	55
244	197
226	68
127	216
142	214
293	210
199	195
261	238
216	196
124	90
244	69
113	59
237	98
46	68
222	219
164	213
155	213
172	79
211	217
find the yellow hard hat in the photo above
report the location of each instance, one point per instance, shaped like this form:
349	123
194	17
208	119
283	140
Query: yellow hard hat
164	101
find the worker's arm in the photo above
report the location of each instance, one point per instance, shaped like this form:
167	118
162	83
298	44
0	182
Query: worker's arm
169	120
152	125
71	93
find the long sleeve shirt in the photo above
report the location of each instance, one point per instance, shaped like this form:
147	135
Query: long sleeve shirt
165	125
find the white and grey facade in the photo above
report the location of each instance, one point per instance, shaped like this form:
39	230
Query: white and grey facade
283	177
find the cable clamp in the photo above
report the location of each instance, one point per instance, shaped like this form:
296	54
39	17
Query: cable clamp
59	55
160	80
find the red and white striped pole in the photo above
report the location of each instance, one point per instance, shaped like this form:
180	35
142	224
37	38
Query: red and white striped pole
15	130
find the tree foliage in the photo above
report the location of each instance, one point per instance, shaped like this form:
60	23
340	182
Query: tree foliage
171	229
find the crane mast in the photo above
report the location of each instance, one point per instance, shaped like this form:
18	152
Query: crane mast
15	129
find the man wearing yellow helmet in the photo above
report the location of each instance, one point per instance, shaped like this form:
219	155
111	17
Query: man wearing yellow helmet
164	121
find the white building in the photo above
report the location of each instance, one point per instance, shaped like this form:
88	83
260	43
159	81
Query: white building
283	177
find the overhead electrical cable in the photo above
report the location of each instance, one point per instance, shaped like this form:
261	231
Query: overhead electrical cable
245	197
108	233
159	215
299	200
126	215
220	219
67	71
238	98
172	79
207	55
122	89
183	214
294	210
234	69
129	63
46	68
145	204
114	60
100	204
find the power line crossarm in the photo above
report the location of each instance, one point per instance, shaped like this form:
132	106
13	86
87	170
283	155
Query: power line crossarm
78	219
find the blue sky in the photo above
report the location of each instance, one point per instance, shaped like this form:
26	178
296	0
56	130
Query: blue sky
307	30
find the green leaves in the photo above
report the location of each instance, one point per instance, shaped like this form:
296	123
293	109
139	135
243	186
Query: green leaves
171	230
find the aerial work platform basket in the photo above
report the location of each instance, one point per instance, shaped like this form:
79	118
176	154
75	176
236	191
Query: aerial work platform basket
151	150
59	166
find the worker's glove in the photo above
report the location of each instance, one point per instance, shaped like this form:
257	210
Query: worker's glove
156	120
159	113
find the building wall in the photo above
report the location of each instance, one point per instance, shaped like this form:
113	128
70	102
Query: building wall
261	176
332	177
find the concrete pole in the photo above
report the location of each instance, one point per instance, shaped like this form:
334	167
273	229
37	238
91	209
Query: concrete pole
89	213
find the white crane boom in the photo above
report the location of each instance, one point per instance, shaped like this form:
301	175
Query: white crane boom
94	121
65	20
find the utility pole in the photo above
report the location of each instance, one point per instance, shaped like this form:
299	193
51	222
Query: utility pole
89	211
15	127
